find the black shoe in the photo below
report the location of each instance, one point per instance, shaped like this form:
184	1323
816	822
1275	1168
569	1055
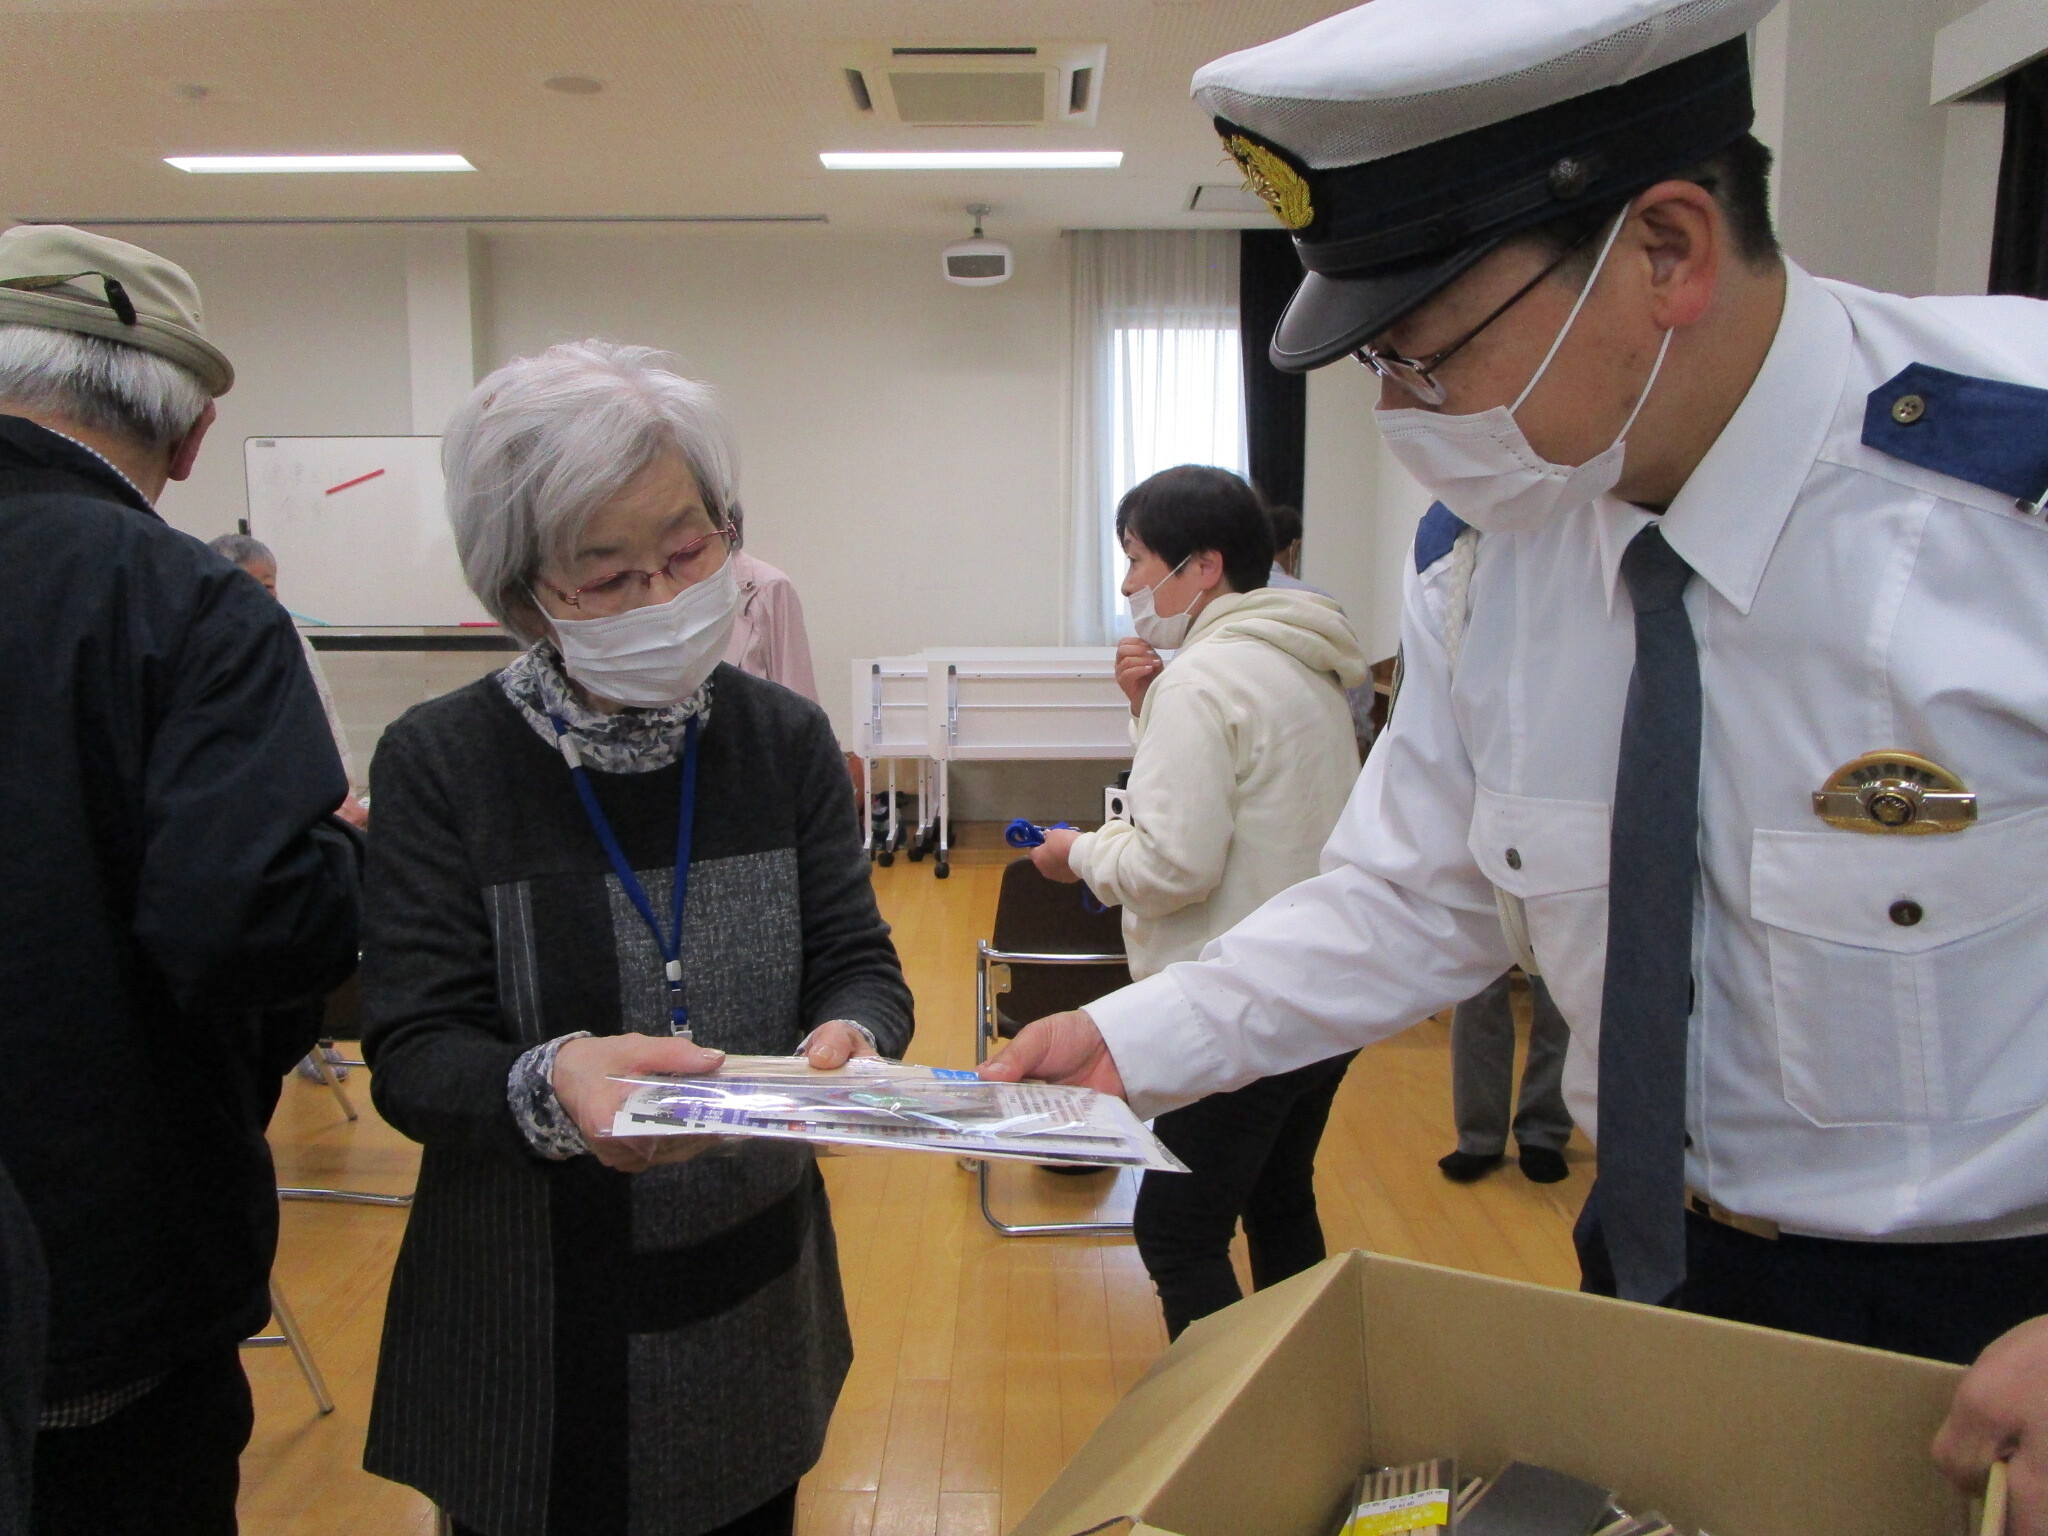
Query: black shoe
1465	1167
1540	1165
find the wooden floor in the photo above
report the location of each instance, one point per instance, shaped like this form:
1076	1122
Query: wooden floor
982	1363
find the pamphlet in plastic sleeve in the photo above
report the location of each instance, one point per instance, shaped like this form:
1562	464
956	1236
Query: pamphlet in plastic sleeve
875	1103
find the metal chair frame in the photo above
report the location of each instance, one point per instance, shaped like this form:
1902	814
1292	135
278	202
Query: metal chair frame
324	1069
332	1079
986	1032
290	1337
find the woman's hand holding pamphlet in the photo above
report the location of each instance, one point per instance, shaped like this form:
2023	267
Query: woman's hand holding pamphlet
874	1103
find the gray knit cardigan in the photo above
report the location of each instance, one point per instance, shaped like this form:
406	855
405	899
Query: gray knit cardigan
570	1351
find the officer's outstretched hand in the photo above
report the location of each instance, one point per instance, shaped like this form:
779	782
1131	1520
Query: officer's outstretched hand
2000	1413
1059	1048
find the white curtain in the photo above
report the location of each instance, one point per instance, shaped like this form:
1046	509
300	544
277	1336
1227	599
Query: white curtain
1157	382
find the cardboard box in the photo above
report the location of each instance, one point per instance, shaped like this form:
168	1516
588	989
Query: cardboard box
1256	1421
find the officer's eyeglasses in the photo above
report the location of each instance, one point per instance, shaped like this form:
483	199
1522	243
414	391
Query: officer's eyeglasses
622	590
1418	376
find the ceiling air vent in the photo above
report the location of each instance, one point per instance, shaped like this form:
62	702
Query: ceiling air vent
1011	85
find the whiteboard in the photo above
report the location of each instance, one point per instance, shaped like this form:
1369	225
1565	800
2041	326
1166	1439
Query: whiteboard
359	529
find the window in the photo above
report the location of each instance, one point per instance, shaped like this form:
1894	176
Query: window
1157	382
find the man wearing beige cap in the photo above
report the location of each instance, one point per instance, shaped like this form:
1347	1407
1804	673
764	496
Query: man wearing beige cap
169	875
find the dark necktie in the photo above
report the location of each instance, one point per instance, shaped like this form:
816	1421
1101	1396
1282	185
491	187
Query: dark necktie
1653	866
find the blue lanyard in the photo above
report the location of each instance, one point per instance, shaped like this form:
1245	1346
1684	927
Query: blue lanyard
671	947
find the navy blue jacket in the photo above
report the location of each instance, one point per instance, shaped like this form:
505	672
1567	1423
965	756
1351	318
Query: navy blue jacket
169	874
23	1306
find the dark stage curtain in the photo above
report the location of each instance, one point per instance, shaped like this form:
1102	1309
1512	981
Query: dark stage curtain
2019	243
1275	403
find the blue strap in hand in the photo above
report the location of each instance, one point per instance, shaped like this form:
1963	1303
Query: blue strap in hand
1028	834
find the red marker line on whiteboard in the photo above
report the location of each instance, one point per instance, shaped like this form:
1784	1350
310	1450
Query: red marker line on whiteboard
359	479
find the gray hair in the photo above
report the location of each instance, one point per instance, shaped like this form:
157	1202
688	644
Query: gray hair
545	441
240	549
106	385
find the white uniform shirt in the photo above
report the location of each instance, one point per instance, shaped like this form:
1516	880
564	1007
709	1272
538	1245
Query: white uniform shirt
1848	1076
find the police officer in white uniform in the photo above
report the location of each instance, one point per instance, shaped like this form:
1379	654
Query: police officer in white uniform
1725	695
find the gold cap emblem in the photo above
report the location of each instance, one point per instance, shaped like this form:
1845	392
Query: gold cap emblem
1895	792
1279	183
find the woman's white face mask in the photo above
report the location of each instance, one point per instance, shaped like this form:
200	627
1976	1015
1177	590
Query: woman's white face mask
654	656
1483	468
1163	632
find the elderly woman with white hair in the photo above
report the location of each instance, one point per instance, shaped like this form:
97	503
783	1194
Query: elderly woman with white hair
614	856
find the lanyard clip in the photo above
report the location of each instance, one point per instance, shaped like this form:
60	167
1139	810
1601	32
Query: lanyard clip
673	970
566	744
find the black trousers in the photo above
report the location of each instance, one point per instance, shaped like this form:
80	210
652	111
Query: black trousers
168	1464
1943	1301
775	1518
1251	1155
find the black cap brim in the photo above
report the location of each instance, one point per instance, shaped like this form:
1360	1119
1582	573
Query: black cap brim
1332	317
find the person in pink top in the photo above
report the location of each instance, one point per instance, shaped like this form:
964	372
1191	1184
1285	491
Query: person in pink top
768	637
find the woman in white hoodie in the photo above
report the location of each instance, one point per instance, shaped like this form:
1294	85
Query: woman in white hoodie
1245	756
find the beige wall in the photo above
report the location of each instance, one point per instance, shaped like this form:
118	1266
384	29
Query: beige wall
1860	166
1364	505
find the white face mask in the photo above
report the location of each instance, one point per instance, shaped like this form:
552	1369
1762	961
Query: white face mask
1163	632
1484	469
654	656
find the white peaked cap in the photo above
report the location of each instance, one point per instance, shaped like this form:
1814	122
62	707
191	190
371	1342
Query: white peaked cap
1392	75
1403	140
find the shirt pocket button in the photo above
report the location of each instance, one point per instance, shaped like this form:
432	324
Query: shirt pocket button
1906	913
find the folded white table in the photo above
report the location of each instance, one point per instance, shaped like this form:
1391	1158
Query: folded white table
977	704
1020	704
889	725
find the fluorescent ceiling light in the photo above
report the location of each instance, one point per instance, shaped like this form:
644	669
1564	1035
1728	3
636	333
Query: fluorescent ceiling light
245	165
974	160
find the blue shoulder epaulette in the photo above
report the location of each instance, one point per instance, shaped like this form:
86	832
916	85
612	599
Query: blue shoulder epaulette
1435	534
1984	431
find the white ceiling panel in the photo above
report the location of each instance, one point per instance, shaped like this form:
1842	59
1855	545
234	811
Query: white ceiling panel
706	108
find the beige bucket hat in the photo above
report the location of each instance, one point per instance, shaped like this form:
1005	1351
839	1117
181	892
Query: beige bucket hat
69	280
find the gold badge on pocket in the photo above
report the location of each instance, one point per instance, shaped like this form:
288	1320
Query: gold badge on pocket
1895	792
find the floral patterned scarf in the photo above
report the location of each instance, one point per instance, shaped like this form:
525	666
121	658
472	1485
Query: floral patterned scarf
631	741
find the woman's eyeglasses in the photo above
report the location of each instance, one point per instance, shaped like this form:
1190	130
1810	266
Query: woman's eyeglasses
1418	376
625	589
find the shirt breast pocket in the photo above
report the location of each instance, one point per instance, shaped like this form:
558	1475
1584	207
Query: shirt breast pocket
1551	856
1908	977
